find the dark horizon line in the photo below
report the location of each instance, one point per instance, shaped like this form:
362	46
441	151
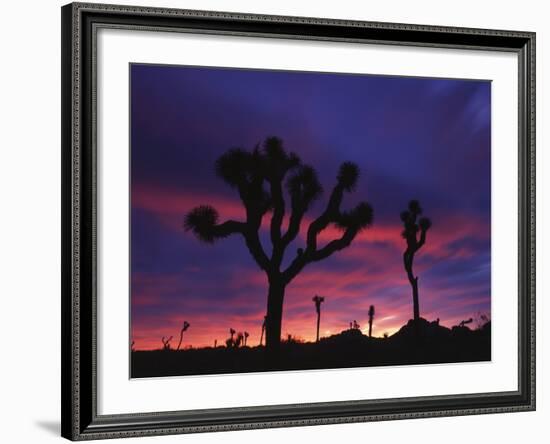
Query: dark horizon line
301	341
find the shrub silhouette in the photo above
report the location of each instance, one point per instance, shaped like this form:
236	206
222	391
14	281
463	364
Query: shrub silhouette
318	301
166	343
186	325
414	243
260	176
465	322
371	316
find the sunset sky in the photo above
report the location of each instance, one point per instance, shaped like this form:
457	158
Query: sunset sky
413	138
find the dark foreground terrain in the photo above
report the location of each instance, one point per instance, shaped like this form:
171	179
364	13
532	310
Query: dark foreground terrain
425	343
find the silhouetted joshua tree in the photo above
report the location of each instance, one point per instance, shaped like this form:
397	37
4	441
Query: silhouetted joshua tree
355	325
230	342
466	322
239	340
246	335
166	343
371	316
132	346
260	176
414	243
318	301
263	330
186	325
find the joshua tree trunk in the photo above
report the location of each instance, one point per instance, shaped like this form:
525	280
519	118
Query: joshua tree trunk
318	324
318	300
413	280
274	316
416	307
371	316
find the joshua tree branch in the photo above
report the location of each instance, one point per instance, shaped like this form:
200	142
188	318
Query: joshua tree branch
254	245
335	245
203	222
329	215
408	257
228	228
278	211
293	226
352	222
304	188
422	240
309	256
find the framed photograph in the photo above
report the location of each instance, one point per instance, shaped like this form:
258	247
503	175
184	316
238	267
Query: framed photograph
279	221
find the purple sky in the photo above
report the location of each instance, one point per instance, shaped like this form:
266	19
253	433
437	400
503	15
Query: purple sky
413	138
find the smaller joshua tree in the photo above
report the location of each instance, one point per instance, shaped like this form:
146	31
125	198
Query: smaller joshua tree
263	331
186	325
230	342
240	339
318	300
371	316
414	243
355	325
246	335
166	343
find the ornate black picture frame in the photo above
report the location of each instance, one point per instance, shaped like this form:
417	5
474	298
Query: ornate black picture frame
80	419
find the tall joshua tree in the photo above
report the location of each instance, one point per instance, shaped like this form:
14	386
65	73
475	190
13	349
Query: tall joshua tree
260	177
371	316
318	301
246	335
415	235
185	326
